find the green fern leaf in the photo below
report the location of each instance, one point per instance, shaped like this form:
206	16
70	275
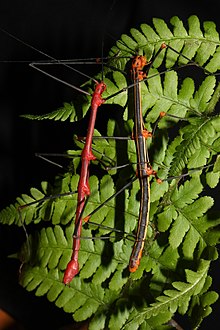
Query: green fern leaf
178	231
187	192
73	112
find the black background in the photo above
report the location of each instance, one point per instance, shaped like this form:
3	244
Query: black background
63	29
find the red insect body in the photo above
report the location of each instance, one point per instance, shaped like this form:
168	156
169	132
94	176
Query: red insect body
83	185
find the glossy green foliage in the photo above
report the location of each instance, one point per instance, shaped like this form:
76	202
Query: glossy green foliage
173	273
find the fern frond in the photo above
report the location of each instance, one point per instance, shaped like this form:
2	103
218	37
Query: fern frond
192	45
70	111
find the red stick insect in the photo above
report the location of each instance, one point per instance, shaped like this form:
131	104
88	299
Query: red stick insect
86	156
83	186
